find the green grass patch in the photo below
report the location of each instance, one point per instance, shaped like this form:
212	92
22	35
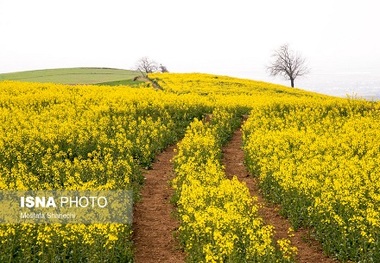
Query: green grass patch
124	82
73	75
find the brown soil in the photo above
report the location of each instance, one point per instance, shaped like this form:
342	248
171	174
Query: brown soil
153	222
309	250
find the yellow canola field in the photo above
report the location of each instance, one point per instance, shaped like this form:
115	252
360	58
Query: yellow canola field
81	138
321	163
219	220
314	154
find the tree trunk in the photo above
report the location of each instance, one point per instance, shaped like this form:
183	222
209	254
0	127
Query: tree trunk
292	82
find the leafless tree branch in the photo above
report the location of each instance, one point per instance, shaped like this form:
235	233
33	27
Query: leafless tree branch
288	64
146	65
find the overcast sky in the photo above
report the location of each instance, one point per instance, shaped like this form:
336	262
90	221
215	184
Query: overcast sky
224	37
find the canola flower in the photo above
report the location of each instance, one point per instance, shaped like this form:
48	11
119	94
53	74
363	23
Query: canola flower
81	138
314	154
321	163
219	220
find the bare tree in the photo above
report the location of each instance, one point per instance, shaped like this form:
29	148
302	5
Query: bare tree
288	64
145	65
163	69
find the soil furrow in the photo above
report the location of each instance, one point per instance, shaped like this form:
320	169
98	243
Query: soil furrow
309	250
153	221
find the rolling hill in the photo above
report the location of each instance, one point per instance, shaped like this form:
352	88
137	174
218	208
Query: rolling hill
109	76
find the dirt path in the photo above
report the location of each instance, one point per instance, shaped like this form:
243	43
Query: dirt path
153	223
308	250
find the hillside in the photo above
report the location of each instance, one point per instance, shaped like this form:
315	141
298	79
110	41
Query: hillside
238	91
215	151
108	76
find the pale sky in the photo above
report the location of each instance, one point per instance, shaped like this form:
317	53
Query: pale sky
233	38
